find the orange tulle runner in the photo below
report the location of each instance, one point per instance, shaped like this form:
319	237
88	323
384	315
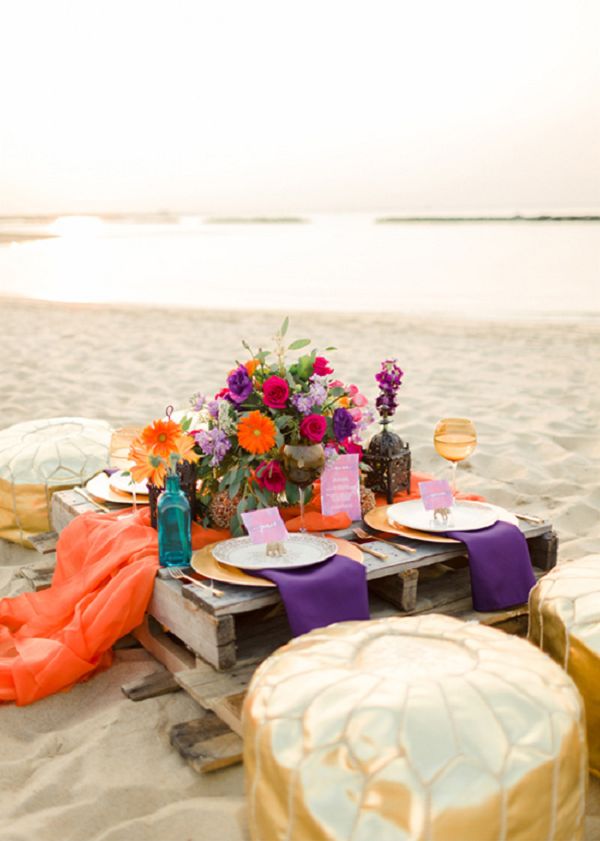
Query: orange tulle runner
106	564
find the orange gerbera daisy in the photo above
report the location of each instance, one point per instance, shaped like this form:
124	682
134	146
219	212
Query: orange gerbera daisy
256	433
160	437
185	449
147	465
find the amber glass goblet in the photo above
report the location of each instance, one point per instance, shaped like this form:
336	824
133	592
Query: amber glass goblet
455	439
302	465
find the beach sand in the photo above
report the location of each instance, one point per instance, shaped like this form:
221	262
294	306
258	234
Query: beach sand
90	764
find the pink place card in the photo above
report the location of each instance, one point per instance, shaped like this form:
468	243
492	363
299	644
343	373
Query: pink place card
436	494
340	487
265	525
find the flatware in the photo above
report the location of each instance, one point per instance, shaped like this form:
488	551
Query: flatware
179	575
364	535
529	518
374	552
86	496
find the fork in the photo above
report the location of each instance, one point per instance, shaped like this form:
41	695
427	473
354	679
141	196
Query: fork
363	535
179	575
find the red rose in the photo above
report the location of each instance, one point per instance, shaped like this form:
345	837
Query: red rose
275	392
314	428
269	475
321	367
351	447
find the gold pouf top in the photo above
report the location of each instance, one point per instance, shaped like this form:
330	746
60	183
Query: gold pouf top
413	728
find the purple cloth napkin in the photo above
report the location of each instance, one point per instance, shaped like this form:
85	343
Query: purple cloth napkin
316	596
500	566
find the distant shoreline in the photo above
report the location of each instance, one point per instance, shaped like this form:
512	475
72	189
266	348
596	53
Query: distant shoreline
387	220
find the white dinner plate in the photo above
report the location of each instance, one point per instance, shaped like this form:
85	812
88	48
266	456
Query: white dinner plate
122	481
99	487
301	550
464	516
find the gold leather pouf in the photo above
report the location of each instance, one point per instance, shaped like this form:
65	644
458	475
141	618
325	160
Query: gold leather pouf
564	620
40	457
421	728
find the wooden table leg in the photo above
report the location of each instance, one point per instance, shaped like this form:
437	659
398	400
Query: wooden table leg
399	590
543	550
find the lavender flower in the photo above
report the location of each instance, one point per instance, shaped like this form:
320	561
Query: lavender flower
213	408
390	380
213	443
302	402
240	385
318	392
198	402
343	424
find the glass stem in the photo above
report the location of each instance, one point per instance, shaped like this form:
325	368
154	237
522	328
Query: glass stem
301	495
454	466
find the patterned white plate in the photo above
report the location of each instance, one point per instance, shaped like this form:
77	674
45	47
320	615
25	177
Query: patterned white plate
301	550
464	516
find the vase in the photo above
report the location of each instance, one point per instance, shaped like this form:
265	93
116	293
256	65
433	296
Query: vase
187	478
174	525
389	461
302	465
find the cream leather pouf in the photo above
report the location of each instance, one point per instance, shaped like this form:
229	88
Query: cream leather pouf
413	728
39	457
564	620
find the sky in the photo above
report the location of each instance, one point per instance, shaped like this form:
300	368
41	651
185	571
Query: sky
274	106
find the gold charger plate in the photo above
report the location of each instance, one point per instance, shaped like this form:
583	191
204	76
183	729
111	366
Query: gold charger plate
204	563
99	487
377	519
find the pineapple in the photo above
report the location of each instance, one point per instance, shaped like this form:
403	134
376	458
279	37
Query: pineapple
221	509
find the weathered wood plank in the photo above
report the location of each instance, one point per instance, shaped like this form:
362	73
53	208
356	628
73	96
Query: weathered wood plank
151	686
39	577
173	655
210	637
45	542
544	550
207	744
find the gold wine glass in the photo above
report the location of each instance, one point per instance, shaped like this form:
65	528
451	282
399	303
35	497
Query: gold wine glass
455	439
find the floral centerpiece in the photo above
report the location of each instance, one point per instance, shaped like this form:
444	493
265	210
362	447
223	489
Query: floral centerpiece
269	403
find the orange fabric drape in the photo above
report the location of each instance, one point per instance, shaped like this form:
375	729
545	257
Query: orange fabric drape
106	564
100	589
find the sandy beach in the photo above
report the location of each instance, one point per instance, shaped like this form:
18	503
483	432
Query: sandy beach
90	765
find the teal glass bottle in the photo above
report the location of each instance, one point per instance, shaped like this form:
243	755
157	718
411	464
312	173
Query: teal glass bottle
174	525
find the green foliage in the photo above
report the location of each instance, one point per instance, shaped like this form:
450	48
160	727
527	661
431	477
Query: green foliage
299	344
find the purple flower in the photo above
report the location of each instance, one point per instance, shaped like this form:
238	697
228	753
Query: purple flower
213	408
198	401
343	424
213	443
302	402
390	380
240	385
318	392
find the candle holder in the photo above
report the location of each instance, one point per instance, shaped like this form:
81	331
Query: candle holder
389	461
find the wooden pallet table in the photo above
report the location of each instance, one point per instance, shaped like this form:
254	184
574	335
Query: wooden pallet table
213	643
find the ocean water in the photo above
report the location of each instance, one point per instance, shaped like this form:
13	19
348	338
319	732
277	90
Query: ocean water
338	262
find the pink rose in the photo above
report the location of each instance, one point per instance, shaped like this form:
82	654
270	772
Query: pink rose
357	398
269	475
355	414
322	367
314	428
275	392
